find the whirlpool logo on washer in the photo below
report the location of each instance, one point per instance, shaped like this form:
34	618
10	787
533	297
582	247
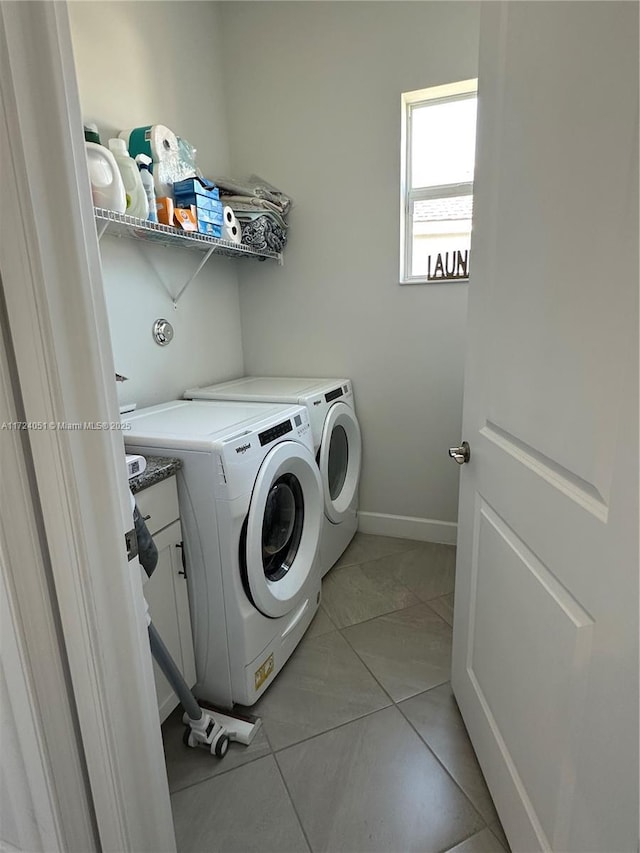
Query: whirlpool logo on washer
243	448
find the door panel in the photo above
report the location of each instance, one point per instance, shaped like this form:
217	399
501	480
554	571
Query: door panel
545	662
509	580
563	330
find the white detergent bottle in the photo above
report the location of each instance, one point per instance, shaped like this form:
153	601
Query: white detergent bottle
107	188
137	204
144	163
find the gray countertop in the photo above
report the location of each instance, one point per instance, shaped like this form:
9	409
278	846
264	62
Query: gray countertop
158	469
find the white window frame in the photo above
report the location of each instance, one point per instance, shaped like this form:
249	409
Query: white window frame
410	101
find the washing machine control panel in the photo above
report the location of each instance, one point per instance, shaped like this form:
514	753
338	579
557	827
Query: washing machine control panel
240	456
303	427
277	431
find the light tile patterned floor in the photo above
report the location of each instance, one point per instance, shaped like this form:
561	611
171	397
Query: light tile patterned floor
362	746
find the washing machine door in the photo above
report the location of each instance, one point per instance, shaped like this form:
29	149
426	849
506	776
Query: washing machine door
340	460
283	528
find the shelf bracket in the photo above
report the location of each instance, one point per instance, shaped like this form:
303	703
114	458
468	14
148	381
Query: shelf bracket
189	280
101	228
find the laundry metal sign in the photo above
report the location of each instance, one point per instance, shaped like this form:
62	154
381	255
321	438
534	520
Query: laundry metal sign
448	266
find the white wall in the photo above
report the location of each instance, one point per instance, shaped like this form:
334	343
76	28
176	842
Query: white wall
160	63
311	92
313	96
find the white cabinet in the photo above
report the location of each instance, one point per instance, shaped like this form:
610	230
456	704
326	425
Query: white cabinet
166	590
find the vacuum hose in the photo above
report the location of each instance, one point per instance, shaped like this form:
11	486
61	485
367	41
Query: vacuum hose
173	674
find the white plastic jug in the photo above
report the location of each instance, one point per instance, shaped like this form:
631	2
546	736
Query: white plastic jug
107	187
137	204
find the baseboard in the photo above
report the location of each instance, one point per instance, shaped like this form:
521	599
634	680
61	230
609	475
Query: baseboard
405	527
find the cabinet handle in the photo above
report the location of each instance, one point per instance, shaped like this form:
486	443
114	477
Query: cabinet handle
184	562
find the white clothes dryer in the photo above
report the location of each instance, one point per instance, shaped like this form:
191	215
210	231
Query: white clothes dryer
336	437
250	499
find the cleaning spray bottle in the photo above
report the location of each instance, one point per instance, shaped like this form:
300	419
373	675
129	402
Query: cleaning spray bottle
144	165
137	204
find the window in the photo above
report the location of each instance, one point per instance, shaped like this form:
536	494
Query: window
438	146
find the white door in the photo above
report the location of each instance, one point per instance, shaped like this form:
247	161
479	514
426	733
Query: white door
339	460
545	663
283	529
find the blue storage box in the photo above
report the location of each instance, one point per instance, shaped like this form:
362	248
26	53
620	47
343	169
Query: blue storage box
209	228
203	202
186	192
210	214
205	197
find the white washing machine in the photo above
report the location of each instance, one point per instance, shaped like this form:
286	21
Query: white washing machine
251	508
336	438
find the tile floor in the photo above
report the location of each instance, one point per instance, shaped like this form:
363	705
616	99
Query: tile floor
362	747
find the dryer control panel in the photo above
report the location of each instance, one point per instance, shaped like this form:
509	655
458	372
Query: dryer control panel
319	405
330	396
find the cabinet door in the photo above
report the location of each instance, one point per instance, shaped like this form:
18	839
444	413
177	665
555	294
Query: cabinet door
158	504
166	594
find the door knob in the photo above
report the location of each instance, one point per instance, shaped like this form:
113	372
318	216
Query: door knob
461	454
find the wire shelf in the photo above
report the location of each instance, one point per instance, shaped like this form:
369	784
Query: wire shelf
121	225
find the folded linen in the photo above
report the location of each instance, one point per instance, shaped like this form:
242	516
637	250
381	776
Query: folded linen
255	188
254	202
247	212
264	234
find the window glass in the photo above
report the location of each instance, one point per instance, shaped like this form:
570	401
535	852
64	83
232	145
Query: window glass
441	237
439	132
282	526
443	141
338	461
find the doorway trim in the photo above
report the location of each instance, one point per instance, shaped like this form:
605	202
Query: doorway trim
65	373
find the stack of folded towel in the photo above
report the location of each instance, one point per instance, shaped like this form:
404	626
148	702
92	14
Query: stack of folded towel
261	210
